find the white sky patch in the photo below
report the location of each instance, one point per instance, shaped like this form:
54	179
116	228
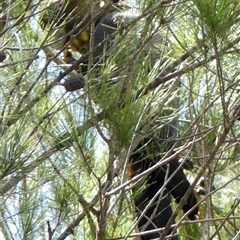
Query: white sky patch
2	236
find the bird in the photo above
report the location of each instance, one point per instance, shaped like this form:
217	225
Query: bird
3	56
150	150
70	21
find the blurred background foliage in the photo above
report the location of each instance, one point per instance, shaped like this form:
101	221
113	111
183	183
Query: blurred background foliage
59	157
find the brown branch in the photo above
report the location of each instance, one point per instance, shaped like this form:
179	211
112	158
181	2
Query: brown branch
221	140
65	138
69	230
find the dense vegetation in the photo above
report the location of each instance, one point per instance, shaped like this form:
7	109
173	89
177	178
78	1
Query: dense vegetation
64	156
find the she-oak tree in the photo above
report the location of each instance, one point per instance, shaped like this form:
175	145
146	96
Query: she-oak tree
64	157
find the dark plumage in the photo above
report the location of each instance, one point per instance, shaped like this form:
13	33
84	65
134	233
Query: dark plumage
146	154
3	56
236	112
151	149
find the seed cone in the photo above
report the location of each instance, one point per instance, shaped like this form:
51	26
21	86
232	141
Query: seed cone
74	82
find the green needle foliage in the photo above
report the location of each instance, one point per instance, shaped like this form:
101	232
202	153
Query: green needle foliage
218	17
64	156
